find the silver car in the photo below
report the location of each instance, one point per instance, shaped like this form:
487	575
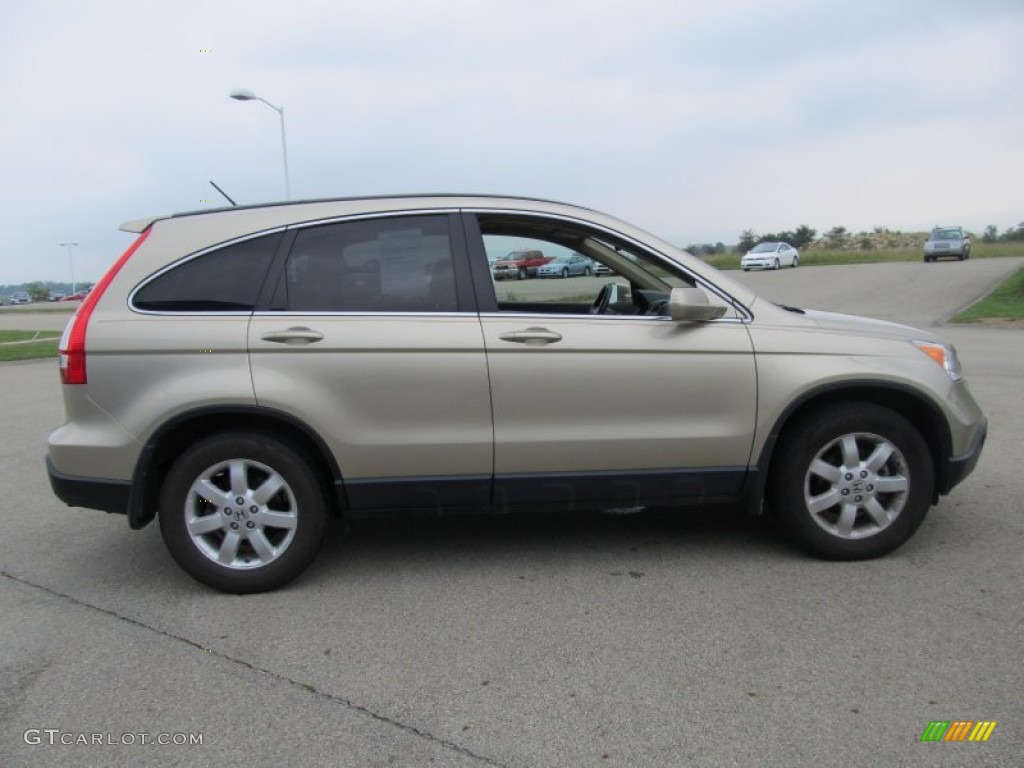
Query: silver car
947	242
567	266
240	375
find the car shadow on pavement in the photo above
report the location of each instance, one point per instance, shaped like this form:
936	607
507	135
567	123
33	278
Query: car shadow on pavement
721	533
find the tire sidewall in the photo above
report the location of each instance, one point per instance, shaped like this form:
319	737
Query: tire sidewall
284	460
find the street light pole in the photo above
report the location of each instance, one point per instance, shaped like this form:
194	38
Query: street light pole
71	264
244	94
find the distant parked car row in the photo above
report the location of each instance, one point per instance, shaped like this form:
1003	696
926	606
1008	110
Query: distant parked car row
521	265
23	297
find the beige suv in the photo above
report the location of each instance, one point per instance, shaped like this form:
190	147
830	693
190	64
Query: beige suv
243	373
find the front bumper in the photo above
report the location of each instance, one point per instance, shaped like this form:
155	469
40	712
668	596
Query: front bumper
959	467
953	251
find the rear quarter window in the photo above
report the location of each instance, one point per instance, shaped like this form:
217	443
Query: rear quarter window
227	279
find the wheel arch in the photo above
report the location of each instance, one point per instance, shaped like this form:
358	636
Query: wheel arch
166	444
922	412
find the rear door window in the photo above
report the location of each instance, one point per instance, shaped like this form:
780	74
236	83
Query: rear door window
394	264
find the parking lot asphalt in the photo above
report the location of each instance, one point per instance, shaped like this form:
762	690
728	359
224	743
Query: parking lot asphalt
655	639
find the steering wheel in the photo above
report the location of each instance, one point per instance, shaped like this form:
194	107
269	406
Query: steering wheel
608	293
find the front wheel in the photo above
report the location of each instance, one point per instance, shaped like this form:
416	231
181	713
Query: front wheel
522	273
852	482
242	512
776	265
587	271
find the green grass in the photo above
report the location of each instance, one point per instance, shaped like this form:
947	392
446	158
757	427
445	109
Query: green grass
1005	302
28	351
27	335
822	258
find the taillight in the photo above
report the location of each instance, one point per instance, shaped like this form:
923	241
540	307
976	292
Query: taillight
72	343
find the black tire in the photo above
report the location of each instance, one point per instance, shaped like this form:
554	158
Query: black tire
288	525
927	260
777	265
793	485
565	272
796	262
587	271
522	275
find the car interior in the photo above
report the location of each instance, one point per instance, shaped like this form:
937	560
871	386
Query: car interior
639	284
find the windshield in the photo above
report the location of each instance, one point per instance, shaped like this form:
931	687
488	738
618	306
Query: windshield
946	234
764	248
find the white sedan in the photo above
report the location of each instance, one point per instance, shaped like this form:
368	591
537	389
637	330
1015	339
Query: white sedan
770	256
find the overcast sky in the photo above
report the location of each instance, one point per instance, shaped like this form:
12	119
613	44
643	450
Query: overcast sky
695	120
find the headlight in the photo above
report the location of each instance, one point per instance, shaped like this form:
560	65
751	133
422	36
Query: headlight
944	355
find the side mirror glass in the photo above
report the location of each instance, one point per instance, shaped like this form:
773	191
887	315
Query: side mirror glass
691	305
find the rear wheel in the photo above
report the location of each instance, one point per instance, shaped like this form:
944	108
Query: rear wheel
242	512
587	271
565	272
852	482
796	261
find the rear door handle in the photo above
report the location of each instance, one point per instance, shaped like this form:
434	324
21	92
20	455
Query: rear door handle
294	335
533	337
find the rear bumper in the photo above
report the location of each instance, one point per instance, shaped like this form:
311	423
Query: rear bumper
959	467
90	492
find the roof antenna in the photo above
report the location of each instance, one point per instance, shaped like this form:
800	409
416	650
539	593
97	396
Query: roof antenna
223	193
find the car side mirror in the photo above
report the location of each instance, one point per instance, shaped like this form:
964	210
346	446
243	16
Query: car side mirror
692	305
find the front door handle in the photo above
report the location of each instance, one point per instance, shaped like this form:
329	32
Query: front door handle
532	337
294	335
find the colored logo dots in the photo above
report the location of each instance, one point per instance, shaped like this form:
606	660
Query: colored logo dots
206	50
